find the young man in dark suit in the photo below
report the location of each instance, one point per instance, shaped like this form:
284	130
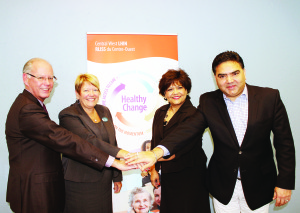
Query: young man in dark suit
242	173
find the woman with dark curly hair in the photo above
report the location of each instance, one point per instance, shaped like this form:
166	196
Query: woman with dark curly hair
183	174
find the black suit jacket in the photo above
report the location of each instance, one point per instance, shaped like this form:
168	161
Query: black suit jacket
190	155
75	119
35	181
266	114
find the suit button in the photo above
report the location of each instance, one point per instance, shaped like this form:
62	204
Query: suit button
96	159
240	152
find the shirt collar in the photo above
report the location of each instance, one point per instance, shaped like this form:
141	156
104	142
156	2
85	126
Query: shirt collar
244	94
42	104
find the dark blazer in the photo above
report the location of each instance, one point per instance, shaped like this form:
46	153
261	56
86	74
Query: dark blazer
75	119
266	114
190	155
35	181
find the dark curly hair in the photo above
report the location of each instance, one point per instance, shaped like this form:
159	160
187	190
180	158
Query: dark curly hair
172	76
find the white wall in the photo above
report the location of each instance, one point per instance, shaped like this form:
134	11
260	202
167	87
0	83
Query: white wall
266	33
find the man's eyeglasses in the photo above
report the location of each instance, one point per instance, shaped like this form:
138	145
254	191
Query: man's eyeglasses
51	79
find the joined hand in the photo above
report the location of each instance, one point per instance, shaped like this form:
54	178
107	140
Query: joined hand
144	159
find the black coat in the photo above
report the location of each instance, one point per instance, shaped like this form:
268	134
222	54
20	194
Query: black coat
192	153
75	119
266	114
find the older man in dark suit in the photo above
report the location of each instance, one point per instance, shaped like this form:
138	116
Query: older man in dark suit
242	173
35	182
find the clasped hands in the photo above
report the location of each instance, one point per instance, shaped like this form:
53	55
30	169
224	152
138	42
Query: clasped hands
138	160
145	159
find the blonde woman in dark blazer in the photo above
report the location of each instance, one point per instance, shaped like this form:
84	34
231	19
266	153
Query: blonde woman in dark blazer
87	189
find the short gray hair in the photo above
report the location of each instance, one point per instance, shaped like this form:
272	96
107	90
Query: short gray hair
28	66
138	190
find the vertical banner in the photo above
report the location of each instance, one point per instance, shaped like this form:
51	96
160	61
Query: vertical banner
129	67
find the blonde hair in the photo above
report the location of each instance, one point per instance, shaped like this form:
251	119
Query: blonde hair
86	78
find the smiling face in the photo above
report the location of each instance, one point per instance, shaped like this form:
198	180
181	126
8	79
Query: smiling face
141	203
176	94
231	79
89	95
40	89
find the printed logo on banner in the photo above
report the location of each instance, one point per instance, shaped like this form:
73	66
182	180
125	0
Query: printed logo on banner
133	99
